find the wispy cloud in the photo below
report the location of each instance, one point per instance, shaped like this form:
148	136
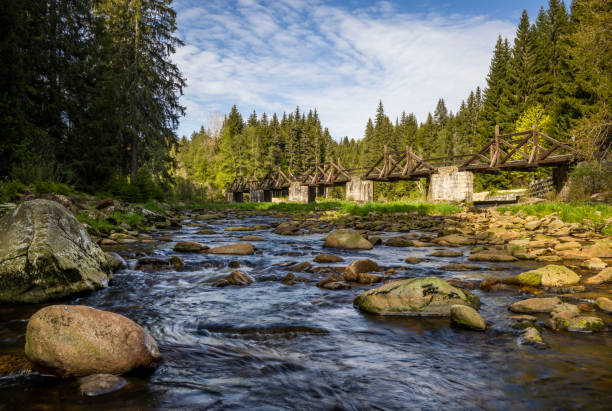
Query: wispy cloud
273	55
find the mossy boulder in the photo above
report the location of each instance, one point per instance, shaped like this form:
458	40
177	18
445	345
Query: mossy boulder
76	340
467	317
328	258
45	254
551	275
428	296
347	239
586	324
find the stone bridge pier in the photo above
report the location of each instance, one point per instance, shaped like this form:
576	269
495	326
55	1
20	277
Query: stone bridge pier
450	184
233	197
302	194
260	196
360	191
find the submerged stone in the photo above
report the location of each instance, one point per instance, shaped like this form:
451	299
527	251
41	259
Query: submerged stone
99	384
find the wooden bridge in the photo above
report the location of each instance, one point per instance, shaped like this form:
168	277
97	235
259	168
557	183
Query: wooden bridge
522	151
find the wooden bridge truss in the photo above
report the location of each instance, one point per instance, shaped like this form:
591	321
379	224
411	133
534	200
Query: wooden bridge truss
522	151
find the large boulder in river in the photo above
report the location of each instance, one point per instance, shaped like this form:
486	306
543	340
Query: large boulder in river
234	249
76	340
45	254
427	296
347	239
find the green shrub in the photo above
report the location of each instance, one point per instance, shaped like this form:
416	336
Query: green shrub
589	178
49	186
11	190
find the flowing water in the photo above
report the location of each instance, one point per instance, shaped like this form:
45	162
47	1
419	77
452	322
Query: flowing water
274	346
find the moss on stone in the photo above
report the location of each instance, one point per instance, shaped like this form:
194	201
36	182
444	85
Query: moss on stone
529	278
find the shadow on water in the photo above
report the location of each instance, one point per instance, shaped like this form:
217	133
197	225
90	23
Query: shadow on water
270	345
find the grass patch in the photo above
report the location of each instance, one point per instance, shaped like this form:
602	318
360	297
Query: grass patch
343	207
128	218
568	212
98	224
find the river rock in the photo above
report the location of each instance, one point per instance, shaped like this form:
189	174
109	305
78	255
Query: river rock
99	384
493	257
427	296
604	276
115	260
252	238
459	267
328	258
593	264
551	275
357	267
347	239
235	278
599	250
399	241
446	253
467	317
234	249
535	305
586	324
562	314
45	253
78	340
189	247
531	336
455	240
604	304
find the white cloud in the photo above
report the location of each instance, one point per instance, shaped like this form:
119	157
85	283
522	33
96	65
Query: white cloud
275	56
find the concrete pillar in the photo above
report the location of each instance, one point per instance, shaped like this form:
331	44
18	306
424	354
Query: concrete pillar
358	190
450	184
302	194
560	176
229	196
256	196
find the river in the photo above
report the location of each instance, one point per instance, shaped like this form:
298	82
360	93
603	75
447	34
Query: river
274	346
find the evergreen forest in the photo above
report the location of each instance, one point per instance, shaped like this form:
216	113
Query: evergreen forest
96	104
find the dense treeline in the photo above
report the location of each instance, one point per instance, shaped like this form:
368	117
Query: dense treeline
555	74
89	96
88	93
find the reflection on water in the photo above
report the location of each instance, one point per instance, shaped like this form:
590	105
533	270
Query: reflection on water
270	345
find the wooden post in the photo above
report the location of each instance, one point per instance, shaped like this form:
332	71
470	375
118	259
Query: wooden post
385	162
534	154
495	156
408	159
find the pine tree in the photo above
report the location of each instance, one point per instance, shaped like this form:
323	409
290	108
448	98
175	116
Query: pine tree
522	73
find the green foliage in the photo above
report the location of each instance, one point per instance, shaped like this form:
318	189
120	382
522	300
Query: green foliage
98	224
589	178
42	187
534	115
10	190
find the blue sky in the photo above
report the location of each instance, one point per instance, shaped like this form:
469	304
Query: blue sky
340	57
